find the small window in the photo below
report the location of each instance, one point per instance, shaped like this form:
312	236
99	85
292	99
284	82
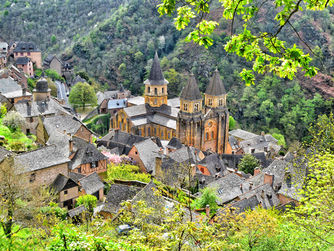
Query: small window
148	90
79	170
32	177
156	91
162	134
207	136
28	53
212	135
27	131
210	101
65	192
155	131
252	150
155	101
149	131
31	119
96	163
169	135
196	107
185	107
139	132
163	90
136	152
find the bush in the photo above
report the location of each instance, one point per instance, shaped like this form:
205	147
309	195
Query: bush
248	163
13	120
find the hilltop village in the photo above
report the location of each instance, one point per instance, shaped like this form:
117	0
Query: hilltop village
184	143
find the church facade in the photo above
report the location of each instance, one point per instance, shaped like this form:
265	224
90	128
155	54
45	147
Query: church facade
201	123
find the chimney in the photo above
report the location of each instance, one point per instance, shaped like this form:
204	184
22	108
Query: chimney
70	145
268	179
207	211
257	171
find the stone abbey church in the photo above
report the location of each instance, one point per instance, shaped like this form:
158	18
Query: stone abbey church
203	125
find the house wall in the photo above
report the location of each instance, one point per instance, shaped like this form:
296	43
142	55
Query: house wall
27	68
47	175
86	168
84	133
134	155
101	194
204	170
72	193
56	65
35	56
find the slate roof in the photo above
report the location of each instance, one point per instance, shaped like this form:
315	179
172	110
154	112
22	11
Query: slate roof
136	100
105	95
78	79
76	211
76	176
22	60
215	87
3	153
191	91
138	110
91	183
119	193
246	204
242	134
233	142
25	47
41	158
264	194
162	120
232	160
148	151
34	109
84	153
49	59
174	102
184	154
214	164
260	143
174	143
116	103
227	188
62	123
156	77
62	182
9	85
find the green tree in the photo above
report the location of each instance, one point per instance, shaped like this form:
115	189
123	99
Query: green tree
248	163
13	120
208	197
88	201
266	51
231	123
82	94
3	110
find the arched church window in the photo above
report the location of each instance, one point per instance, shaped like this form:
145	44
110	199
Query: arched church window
196	107
155	91
155	101
185	107
212	135
207	136
163	90
210	101
149	131
148	90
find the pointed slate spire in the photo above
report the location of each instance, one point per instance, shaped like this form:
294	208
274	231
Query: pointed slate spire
215	87
191	90
156	77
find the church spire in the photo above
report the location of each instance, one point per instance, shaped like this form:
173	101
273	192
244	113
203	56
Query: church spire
215	87
156	77
191	91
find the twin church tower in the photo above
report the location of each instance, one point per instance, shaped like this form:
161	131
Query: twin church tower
203	124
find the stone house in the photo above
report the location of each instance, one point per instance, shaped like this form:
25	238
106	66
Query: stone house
43	165
28	49
26	65
13	92
54	63
92	184
67	190
144	154
85	158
